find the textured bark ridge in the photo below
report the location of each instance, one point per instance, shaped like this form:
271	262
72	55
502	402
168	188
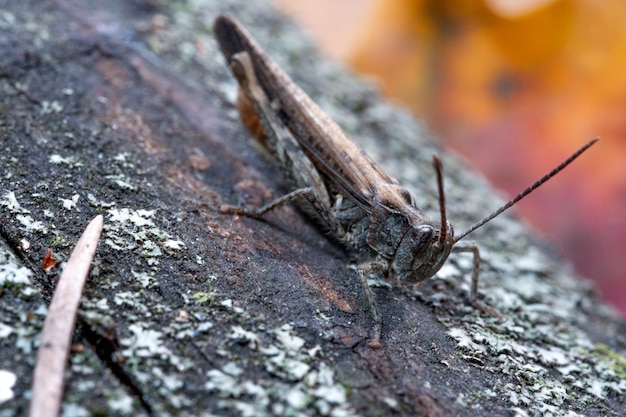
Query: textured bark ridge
125	109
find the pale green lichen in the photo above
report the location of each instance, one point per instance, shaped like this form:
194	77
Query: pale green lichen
30	224
120	403
9	200
129	229
93	201
611	360
540	334
12	273
68	160
22	327
146	279
70	203
7	381
302	389
48	107
121	181
69	409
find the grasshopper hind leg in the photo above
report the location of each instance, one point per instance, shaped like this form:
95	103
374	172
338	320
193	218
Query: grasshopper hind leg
281	201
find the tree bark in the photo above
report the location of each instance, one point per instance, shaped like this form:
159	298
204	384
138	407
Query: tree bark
125	109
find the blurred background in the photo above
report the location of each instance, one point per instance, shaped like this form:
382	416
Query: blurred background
515	87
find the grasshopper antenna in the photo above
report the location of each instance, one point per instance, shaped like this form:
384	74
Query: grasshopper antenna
524	193
443	232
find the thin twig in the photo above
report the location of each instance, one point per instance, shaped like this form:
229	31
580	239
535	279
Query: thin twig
57	332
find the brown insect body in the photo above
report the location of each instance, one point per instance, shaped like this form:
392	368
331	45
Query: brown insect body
363	207
376	217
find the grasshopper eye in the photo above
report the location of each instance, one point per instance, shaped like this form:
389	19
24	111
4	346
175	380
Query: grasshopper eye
422	236
425	229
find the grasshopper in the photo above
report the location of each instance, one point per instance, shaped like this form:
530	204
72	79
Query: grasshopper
335	182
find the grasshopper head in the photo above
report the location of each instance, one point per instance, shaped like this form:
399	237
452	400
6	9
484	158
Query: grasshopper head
422	252
425	247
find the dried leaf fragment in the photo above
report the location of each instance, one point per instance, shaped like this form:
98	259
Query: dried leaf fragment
49	261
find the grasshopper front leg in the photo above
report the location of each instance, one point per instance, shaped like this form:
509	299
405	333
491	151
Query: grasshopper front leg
473	249
363	271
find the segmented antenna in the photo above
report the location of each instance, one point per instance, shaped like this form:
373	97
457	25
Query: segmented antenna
524	193
442	201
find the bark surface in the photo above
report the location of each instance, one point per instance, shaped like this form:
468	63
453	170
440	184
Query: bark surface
124	108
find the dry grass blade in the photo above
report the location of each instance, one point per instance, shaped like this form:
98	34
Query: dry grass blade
59	325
